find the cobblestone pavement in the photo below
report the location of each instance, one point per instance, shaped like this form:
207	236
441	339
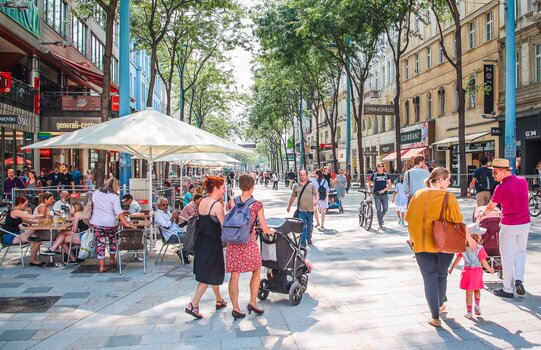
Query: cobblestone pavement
365	293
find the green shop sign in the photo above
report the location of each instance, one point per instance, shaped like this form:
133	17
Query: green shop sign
411	136
28	18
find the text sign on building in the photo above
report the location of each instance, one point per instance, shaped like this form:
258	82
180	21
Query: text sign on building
5	82
495	131
63	124
378	109
386	148
327	145
8	119
81	103
488	74
532	134
414	136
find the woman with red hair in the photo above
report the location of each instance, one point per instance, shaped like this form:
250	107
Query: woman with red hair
208	265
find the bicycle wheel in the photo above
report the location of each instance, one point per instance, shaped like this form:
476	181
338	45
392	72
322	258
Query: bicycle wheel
361	215
369	215
535	205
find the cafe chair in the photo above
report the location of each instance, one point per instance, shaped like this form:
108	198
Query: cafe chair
165	246
132	240
23	247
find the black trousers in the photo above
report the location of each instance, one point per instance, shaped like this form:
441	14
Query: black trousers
434	268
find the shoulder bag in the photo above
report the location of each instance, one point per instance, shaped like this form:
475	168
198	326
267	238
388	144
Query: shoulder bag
296	214
87	210
450	237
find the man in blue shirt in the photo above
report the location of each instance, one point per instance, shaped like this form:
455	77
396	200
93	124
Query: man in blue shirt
76	175
382	184
414	179
483	182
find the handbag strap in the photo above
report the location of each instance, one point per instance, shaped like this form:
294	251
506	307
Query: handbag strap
444	205
302	191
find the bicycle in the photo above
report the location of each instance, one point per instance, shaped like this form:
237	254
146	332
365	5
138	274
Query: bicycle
534	201
366	210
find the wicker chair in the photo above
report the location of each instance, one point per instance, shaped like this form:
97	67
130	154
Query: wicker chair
23	247
134	241
165	246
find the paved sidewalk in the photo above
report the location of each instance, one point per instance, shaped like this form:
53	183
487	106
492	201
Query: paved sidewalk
365	293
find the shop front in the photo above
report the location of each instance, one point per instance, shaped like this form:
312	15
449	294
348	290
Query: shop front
528	142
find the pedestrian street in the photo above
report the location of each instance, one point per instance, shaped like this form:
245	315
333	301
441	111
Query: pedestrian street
365	292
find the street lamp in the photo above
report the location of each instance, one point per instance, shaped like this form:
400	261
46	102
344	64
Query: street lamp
15	4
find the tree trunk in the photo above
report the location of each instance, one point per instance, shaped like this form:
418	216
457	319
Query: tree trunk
294	145
461	94
333	148
105	99
153	62
360	151
398	143
318	150
182	96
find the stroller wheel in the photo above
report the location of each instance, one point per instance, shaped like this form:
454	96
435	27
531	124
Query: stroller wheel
304	281
263	292
341	209
295	293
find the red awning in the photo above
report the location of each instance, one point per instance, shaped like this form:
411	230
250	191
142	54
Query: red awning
93	77
405	154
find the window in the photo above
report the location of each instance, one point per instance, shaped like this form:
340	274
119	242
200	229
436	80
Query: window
489	26
472	93
429	106
471	35
441	95
407	69
428	57
416	109
114	70
442	56
518	10
55	15
384	77
407	112
538	62
78	34
518	68
388	72
99	16
97	51
116	33
416	63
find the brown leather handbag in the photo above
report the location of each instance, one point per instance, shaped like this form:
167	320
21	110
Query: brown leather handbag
450	237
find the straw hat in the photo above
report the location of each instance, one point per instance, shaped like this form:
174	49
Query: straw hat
500	163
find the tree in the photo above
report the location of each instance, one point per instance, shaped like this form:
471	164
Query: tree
440	8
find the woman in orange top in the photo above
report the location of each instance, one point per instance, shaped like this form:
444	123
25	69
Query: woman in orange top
424	208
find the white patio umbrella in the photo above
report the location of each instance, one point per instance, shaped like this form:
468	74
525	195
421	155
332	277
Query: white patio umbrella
149	134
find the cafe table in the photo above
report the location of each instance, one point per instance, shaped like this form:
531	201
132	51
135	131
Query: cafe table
64	226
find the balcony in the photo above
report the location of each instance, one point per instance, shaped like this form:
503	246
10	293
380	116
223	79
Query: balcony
21	96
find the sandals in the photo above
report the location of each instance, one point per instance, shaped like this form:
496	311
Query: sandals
220	304
435	323
103	269
193	310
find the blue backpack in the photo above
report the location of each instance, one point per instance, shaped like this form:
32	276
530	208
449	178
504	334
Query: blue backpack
236	227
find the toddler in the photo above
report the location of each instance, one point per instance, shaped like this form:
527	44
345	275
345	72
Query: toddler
401	201
471	279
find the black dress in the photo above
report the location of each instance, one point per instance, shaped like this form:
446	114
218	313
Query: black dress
208	265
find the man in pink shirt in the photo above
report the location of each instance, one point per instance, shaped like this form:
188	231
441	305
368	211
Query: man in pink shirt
512	195
190	210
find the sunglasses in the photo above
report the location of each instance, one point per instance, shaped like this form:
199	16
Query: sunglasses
381	166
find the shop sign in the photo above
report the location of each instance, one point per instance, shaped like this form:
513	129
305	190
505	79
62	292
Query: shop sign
495	131
13	119
81	103
63	124
532	134
370	153
44	135
5	82
45	153
477	144
414	136
488	75
327	145
386	148
378	109
444	148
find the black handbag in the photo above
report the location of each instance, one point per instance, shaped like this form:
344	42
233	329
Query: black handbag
296	213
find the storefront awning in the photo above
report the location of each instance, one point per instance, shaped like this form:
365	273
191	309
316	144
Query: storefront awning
454	139
88	74
405	154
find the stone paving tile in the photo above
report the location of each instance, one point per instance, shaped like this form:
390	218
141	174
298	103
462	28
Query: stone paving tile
76	295
22	334
28	275
10	285
37	290
19	344
160	338
122	341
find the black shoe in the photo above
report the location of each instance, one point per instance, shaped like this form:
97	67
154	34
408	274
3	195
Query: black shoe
520	287
310	242
502	293
34	239
237	314
47	252
41	264
184	255
254	309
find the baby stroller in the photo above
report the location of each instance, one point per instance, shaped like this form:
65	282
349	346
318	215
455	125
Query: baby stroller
284	260
491	239
335	202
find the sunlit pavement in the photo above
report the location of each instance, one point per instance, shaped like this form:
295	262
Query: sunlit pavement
365	292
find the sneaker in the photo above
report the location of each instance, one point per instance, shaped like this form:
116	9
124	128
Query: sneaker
502	293
399	222
519	286
310	242
477	310
47	252
468	315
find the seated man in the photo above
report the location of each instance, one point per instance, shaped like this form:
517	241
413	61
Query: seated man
134	206
190	210
63	205
168	225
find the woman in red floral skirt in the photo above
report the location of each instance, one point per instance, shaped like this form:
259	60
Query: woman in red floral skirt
246	257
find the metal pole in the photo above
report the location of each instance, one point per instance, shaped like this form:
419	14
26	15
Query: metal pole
124	99
301	136
510	86
348	115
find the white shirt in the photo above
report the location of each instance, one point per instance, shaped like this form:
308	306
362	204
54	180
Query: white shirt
62	206
105	209
168	227
135	207
274	177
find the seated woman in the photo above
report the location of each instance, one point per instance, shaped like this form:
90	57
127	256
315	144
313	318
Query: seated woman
65	237
44	208
16	217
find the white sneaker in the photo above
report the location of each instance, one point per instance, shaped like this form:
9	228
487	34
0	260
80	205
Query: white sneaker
468	315
477	310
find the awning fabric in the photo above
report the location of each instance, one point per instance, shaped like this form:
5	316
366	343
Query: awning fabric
454	139
93	77
405	154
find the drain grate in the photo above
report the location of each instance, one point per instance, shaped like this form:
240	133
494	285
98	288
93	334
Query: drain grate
93	269
20	305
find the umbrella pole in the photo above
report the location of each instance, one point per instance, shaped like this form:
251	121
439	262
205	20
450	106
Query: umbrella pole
150	165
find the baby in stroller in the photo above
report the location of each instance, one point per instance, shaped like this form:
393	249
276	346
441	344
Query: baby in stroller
491	239
285	261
